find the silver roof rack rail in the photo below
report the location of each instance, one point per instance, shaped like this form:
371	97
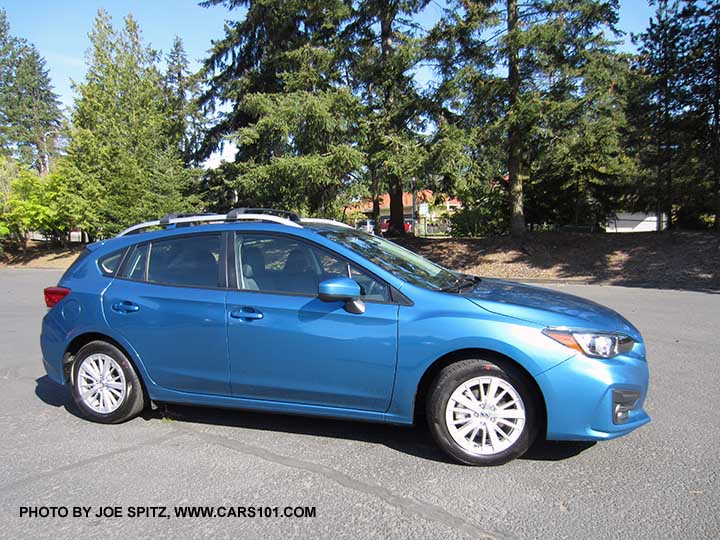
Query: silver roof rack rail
235	213
207	218
167	220
326	222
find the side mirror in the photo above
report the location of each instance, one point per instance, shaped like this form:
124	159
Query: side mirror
342	289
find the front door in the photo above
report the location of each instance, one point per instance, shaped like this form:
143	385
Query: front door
287	345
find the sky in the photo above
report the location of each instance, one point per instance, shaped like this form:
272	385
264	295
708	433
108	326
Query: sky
59	28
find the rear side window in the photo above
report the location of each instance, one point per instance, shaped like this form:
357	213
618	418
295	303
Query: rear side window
190	261
110	263
136	263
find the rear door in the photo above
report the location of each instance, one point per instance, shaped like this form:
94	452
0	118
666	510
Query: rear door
169	303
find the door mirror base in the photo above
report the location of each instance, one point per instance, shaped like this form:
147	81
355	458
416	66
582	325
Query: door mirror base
355	306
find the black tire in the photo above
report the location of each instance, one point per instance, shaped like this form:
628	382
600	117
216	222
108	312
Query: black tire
449	379
134	400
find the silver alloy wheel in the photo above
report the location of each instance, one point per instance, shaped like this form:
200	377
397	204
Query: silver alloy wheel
485	415
101	383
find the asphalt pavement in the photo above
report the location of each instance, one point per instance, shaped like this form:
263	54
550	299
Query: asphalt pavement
364	480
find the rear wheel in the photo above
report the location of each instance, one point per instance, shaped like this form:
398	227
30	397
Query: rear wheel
105	386
482	412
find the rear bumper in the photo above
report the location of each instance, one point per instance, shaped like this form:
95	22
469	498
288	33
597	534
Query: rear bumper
52	344
580	401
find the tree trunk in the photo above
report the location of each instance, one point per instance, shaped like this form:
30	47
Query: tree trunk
715	134
658	195
716	167
395	188
577	201
397	209
375	194
517	215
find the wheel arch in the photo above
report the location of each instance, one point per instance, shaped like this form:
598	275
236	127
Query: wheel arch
79	341
435	367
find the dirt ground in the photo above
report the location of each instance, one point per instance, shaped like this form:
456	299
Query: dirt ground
38	255
678	260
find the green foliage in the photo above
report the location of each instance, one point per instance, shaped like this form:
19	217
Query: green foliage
556	102
29	109
294	122
533	116
676	113
123	157
484	215
25	207
382	48
182	91
8	171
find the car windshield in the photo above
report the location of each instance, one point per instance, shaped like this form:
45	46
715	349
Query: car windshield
397	260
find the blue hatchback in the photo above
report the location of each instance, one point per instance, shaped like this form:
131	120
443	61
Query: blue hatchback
262	310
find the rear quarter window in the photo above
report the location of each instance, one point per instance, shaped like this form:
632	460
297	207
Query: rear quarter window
109	264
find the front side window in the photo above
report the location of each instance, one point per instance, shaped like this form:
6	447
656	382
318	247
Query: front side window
285	265
397	260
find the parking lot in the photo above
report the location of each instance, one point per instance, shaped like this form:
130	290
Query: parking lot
365	480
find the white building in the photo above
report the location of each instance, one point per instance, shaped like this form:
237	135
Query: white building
626	222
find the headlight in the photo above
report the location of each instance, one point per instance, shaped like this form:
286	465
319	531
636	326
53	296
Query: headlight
594	344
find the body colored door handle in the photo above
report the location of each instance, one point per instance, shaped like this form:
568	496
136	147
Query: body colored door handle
125	307
249	314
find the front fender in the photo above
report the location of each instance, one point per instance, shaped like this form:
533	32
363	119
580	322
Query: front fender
425	337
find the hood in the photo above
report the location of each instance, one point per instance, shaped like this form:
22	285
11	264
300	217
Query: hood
547	307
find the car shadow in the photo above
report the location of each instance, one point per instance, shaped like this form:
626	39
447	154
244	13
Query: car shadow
53	393
412	440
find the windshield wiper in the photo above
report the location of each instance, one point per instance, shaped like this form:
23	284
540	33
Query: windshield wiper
462	282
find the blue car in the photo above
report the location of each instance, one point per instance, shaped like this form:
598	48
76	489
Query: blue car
262	310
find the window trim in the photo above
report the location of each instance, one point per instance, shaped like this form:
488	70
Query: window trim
396	297
222	266
130	251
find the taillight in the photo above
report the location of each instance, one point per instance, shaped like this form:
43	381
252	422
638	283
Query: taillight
54	294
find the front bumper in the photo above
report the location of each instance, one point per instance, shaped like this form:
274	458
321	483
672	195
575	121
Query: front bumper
582	396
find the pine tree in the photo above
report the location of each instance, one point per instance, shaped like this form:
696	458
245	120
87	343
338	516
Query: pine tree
518	75
123	156
8	60
30	114
703	73
182	93
662	55
288	111
383	49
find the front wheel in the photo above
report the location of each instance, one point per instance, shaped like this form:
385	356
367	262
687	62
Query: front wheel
105	386
482	413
